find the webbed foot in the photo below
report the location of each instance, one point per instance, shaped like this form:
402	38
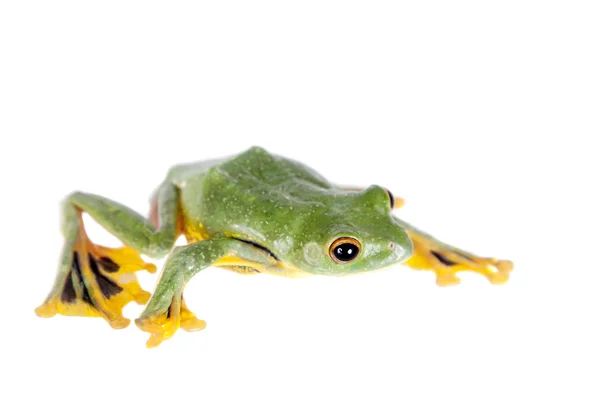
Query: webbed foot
446	261
96	281
163	325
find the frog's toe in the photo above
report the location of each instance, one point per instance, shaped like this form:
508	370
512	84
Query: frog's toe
159	329
99	283
446	262
47	310
446	277
163	325
497	271
189	322
450	262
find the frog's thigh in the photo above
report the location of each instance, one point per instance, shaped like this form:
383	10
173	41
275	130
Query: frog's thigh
132	228
166	311
446	261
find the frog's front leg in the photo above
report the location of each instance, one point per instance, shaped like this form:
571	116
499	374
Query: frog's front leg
98	281
166	312
445	260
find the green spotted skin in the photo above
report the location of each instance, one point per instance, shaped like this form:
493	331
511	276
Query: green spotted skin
289	209
254	210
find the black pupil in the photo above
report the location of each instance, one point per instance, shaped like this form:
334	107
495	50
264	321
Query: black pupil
346	252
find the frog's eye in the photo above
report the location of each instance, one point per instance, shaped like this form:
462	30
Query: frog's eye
344	250
391	197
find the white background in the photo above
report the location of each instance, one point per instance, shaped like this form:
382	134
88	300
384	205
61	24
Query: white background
483	115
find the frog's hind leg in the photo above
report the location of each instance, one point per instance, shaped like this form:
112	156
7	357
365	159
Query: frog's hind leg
98	281
445	260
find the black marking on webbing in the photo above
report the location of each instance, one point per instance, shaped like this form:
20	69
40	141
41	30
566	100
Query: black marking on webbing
108	264
107	286
447	262
85	296
259	246
68	294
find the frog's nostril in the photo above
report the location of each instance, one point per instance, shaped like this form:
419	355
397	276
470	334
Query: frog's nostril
391	245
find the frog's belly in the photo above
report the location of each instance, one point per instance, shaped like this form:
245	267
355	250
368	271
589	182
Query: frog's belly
194	231
240	269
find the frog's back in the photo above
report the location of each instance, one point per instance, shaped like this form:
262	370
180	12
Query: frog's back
244	192
254	166
258	169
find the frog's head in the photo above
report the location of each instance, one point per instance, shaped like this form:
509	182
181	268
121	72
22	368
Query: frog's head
352	232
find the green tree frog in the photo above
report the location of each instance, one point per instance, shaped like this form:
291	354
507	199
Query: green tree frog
251	213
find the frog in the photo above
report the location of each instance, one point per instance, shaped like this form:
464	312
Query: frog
251	213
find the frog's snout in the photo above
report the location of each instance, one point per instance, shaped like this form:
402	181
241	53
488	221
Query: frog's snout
399	252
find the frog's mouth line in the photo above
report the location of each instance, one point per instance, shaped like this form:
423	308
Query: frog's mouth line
259	246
